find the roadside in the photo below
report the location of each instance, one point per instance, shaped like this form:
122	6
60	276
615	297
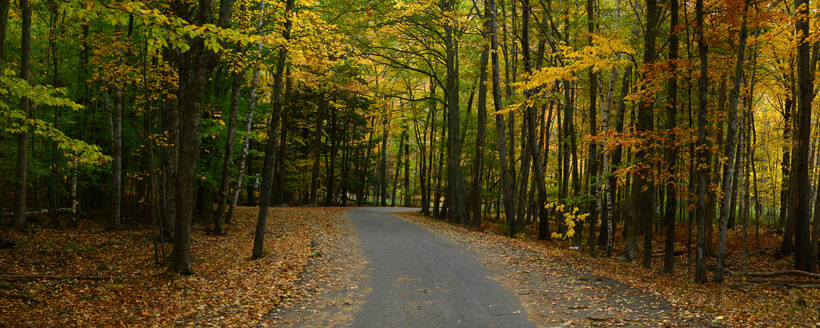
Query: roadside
90	277
329	291
557	292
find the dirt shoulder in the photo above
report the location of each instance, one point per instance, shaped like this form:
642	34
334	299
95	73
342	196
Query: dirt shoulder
556	292
330	290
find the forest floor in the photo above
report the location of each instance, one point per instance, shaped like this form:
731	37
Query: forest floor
316	274
109	278
564	287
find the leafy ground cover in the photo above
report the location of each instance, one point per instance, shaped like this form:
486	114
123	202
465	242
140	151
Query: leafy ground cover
568	287
100	278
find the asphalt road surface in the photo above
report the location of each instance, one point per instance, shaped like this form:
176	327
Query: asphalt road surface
420	280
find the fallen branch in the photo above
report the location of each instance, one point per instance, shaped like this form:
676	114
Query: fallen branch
784	283
20	297
23	277
663	253
784	273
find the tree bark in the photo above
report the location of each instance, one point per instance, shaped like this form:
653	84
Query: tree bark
383	162
592	163
227	162
702	153
116	175
317	150
730	150
398	167
672	151
499	123
21	170
800	166
270	155
455	178
641	185
481	122
243	158
331	168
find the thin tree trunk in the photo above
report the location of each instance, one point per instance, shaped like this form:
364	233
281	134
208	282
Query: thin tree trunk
331	168
592	163
364	172
455	179
243	158
21	171
321	109
703	153
729	153
499	119
383	162
643	207
116	175
671	152
406	190
481	122
227	162
398	167
270	156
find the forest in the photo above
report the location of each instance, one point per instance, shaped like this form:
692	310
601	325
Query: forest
170	140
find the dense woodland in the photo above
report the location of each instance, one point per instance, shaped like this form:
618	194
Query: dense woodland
604	124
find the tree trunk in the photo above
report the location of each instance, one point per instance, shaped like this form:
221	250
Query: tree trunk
643	206
592	164
270	155
383	162
317	150
703	154
481	123
406	191
785	165
398	167
364	172
116	175
499	123
227	162
21	170
331	169
729	153
243	158
455	179
672	151
800	166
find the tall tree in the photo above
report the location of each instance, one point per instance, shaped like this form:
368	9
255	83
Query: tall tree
194	66
800	165
672	151
481	121
455	184
507	189
246	140
273	128
21	184
703	157
730	145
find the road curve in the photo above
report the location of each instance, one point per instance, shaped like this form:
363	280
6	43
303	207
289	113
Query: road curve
420	280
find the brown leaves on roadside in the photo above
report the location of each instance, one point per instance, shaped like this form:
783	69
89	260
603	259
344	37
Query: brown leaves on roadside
227	289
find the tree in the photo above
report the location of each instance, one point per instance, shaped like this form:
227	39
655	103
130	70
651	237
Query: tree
194	66
273	128
702	152
731	133
671	152
25	104
800	164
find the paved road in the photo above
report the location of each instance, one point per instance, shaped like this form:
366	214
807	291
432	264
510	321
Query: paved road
420	280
